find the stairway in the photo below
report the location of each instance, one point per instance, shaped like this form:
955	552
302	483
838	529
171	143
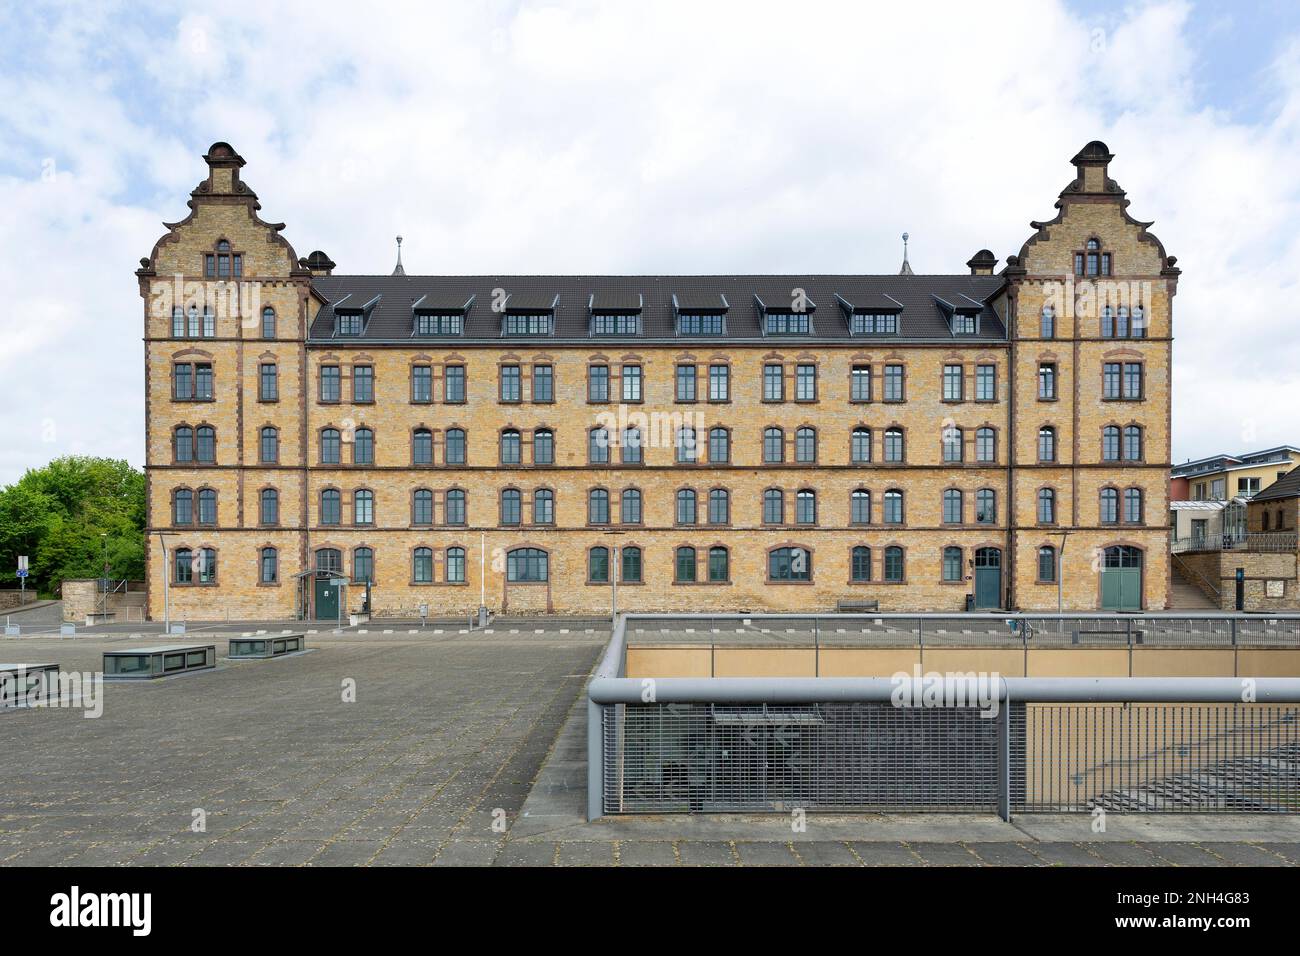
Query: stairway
1185	595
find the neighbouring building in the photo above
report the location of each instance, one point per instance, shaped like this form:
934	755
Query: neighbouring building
780	442
1224	477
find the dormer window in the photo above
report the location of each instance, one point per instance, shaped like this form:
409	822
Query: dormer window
787	323
440	314
786	314
962	312
964	323
350	323
1092	261
701	313
538	323
431	323
873	323
701	324
532	314
223	263
352	312
871	313
615	313
629	324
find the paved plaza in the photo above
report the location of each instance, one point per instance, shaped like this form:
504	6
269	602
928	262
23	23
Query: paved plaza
462	747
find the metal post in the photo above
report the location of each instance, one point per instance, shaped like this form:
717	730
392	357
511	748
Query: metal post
1004	758
613	585
482	579
167	576
595	763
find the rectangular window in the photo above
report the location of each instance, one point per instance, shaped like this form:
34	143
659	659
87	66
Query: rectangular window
719	383
893	383
1110	380
454	384
686	383
691	324
330	388
964	324
268	384
631	383
873	323
511	383
543	383
363	383
952	383
421	383
860	383
598	383
1133	380
805	383
985	383
1046	381
539	324
182	381
428	323
773	382
350	324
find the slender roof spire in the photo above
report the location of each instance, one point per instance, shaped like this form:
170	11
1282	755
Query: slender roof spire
398	270
906	270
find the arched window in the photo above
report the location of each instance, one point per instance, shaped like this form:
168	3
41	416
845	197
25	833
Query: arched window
331	506
860	564
329	560
1132	442
207	506
1133	506
805	506
773	506
805	445
986	444
952	506
686	451
860	446
269	446
1046	506
1110	443
182	506
543	447
1047	564
894	570
422	566
598	446
527	565
893	513
363	446
952	564
629	511
1092	261
954	443
1047	443
894	449
1109	506
455	450
511	506
719	506
684	565
1047	327
269	566
184	566
598	506
1122	556
422	446
363	507
986	506
719	445
686	506
455	565
422	506
719	565
268	323
631	446
860	506
363	565
183	443
773	446
510	447
631	558
789	564
543	506
330	443
205	443
268	506
598	565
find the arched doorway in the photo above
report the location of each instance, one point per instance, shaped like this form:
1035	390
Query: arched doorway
1121	578
988	578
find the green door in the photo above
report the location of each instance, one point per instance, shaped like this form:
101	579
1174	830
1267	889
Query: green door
988	578
327	599
1121	579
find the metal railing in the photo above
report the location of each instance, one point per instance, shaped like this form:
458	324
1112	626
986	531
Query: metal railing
1276	542
663	745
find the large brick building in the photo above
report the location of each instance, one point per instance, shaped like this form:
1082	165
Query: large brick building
717	442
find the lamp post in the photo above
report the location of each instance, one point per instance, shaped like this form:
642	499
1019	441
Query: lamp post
1060	569
103	537
167	618
613	580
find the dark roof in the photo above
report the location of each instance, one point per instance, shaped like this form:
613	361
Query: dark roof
1288	486
921	317
617	303
445	302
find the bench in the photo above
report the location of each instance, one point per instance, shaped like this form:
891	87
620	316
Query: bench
23	683
259	648
856	607
150	662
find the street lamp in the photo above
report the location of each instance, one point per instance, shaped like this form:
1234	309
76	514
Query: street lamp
613	580
167	575
1060	569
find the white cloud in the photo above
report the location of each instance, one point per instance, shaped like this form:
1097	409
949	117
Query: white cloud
642	138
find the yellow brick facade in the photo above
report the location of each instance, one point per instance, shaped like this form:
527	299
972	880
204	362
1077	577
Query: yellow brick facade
225	211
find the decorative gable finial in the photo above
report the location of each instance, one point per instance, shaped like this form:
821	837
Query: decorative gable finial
398	270
906	270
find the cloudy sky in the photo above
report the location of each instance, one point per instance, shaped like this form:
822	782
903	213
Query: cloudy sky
638	138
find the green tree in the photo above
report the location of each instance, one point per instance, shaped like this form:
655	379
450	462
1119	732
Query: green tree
64	516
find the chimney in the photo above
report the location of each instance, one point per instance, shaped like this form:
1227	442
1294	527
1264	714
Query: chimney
1092	162
223	171
318	264
982	263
